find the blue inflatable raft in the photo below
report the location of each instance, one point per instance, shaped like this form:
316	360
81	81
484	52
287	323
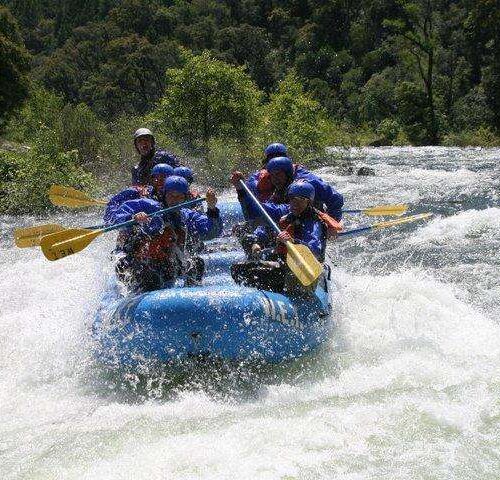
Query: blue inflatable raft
219	319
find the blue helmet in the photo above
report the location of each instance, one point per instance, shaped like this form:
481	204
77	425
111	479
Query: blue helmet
162	169
301	189
275	150
175	183
185	172
280	163
161	156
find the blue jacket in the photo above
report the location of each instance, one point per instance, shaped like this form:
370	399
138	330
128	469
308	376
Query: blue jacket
141	173
205	226
326	198
307	230
130	193
129	208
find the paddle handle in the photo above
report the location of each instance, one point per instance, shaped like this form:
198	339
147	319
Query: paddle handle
189	203
261	209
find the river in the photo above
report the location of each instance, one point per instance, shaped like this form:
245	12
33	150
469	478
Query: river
408	386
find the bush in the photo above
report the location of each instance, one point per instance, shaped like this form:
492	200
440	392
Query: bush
412	113
29	176
73	127
480	137
14	65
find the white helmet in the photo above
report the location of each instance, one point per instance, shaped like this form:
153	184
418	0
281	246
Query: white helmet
143	132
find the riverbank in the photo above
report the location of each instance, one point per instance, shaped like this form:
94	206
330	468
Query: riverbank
28	170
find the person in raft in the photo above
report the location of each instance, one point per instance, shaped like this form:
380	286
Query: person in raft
188	174
155	253
259	182
301	223
150	155
155	191
281	173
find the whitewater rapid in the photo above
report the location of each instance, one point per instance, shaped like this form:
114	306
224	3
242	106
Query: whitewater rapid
408	387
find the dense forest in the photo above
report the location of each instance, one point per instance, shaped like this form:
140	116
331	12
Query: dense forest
216	79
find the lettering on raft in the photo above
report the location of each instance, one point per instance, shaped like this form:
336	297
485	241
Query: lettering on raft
278	312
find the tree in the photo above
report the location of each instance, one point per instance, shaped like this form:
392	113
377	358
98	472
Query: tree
417	31
294	118
14	65
206	99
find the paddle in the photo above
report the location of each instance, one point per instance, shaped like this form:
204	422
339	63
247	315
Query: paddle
31	236
390	223
71	197
299	259
73	240
381	210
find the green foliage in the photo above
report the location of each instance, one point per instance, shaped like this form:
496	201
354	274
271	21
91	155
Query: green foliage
413	114
14	65
29	176
352	73
389	131
207	99
295	119
377	100
480	137
73	127
472	111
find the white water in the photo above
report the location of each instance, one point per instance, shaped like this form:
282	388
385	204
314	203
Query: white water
408	387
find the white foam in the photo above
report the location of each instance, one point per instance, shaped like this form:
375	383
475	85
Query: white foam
474	225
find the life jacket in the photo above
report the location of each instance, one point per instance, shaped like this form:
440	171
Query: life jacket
165	246
265	188
294	227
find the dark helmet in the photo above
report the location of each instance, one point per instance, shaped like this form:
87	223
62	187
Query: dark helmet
280	163
162	169
185	172
175	183
143	132
301	189
275	150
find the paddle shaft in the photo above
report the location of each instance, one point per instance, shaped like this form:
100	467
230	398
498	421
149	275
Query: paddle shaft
354	230
390	223
262	210
155	214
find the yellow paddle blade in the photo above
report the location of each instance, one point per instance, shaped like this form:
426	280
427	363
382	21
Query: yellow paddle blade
386	210
31	236
303	263
412	218
70	197
67	242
